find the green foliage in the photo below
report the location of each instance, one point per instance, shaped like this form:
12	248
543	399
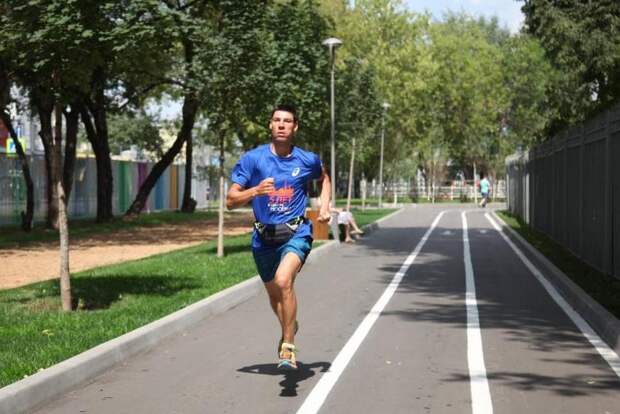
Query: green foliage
381	35
464	88
135	129
461	90
72	39
293	69
582	39
358	112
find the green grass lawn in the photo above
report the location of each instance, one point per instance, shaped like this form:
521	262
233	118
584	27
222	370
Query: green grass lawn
113	300
368	216
602	288
14	236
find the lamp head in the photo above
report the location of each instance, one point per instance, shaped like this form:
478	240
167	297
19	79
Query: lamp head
332	43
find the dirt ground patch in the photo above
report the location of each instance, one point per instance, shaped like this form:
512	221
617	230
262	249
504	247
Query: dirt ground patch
40	261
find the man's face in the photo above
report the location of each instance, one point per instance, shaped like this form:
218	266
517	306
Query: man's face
283	126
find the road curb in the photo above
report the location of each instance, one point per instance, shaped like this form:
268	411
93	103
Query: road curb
38	389
606	325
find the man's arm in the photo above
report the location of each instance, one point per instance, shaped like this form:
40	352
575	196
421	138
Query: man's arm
326	193
238	196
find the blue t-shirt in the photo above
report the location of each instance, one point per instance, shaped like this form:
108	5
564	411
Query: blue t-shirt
290	176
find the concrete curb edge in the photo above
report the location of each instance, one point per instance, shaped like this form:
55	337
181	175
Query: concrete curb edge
606	325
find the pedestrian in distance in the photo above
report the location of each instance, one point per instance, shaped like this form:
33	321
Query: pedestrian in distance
347	225
273	177
485	189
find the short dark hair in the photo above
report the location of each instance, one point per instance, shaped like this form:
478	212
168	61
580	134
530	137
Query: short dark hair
287	108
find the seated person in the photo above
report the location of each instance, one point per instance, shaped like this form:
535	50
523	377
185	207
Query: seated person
347	225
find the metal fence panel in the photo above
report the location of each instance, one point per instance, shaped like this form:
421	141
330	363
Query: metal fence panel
559	193
160	192
180	185
174	187
123	186
83	201
593	203
574	197
615	241
571	188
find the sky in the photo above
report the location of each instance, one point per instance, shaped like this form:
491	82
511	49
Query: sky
508	11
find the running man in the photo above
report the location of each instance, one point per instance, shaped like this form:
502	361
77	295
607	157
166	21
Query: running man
274	177
485	189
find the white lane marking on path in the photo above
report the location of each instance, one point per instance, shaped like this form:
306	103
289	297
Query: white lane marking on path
319	393
480	393
603	349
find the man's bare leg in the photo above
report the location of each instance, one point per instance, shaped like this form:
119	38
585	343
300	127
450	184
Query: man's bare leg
282	295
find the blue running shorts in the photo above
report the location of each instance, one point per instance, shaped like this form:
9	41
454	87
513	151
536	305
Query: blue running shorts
268	259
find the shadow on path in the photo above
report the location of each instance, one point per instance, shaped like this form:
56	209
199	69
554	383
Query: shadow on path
511	304
291	378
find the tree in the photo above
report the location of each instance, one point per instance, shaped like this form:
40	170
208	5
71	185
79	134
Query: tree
292	68
465	100
118	32
359	115
528	78
139	129
218	42
231	55
45	52
582	40
382	36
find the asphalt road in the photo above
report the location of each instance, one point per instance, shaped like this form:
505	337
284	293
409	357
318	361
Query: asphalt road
379	334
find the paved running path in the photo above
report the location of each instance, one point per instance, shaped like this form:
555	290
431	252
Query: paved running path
415	358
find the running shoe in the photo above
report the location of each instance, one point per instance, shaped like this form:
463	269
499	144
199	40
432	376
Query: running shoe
287	358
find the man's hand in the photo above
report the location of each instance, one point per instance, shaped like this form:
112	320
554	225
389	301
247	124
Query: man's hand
265	187
324	215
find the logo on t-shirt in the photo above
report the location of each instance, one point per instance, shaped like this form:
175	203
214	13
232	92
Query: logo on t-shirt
295	172
280	199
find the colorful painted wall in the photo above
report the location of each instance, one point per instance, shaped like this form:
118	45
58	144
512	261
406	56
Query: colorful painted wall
128	176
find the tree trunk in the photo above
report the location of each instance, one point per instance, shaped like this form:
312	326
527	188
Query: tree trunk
220	221
395	193
363	191
28	215
350	187
5	94
63	226
45	107
433	182
493	187
72	118
94	118
189	204
105	184
190	108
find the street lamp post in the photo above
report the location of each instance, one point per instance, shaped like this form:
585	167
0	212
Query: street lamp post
385	108
332	43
